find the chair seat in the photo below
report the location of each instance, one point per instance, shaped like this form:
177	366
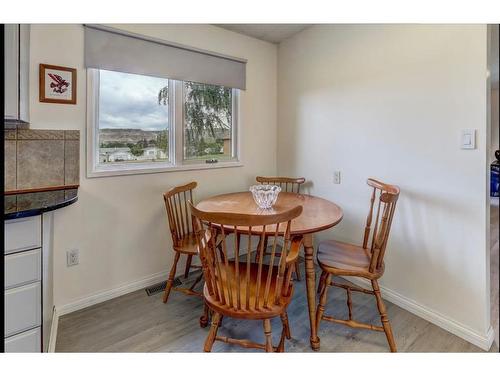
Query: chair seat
343	256
272	310
187	245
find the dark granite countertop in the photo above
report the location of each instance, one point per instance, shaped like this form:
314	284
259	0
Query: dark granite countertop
32	204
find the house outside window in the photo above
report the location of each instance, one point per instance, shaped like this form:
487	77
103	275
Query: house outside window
143	124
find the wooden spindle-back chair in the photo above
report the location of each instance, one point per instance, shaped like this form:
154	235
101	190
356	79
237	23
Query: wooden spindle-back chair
367	261
183	238
287	185
240	287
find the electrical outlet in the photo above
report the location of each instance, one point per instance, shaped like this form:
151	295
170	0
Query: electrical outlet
336	177
72	257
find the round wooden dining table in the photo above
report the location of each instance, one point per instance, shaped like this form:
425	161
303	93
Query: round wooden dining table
317	215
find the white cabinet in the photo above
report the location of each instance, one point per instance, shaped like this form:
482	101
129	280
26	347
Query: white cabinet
26	342
16	68
28	283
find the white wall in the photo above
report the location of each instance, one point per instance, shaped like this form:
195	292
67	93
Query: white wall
493	67
119	223
494	123
389	101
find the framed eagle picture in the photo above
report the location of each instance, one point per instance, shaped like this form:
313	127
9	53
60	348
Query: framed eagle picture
57	84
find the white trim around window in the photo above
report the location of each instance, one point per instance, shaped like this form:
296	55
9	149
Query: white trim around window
176	160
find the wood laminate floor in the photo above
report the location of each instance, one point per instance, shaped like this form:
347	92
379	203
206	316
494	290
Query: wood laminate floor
136	322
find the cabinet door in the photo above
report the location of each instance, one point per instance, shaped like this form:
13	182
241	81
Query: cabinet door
23	234
26	342
22	268
11	68
23	308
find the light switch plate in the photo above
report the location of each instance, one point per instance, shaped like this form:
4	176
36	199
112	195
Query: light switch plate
468	139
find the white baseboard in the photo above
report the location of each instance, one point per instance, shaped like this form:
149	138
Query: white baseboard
111	293
482	341
53	332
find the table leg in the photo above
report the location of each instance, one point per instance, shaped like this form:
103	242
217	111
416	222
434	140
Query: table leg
311	288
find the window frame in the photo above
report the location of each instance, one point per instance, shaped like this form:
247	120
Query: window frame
176	160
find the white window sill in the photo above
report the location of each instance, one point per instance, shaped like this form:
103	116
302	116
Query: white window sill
124	170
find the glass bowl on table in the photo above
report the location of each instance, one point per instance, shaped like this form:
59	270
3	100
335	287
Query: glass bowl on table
265	195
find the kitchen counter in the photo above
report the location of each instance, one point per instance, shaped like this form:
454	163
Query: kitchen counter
35	203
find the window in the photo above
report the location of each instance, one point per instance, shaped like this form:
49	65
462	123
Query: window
133	125
208	119
141	124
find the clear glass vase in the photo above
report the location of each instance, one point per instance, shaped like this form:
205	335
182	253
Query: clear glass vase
265	195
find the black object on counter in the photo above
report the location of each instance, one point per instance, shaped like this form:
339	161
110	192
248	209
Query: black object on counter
495	178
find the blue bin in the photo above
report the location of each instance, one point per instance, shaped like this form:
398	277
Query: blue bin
494	178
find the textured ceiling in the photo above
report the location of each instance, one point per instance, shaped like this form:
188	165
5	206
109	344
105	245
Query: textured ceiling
273	33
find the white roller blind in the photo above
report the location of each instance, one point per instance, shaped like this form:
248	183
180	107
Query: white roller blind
112	49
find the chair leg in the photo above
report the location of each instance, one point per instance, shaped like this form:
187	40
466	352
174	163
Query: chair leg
188	266
321	281
286	325
264	250
204	317
281	345
198	279
171	276
296	268
209	342
221	253
219	247
238	240
265	246
268	334
383	316
257	255
322	301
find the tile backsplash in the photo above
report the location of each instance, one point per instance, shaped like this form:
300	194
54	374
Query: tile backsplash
41	158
